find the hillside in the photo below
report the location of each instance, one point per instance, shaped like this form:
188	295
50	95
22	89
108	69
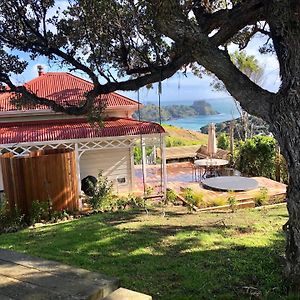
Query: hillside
255	126
183	137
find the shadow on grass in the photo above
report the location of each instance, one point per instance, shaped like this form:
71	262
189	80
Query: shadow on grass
165	261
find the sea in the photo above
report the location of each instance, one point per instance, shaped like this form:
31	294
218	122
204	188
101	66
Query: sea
226	108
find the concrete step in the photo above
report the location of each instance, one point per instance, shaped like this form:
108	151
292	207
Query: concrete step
124	294
26	277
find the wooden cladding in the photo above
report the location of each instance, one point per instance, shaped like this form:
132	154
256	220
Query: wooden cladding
41	176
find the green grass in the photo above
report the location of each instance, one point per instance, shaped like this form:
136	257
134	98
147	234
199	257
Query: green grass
183	137
180	256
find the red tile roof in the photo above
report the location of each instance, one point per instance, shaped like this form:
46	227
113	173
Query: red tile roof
41	131
63	88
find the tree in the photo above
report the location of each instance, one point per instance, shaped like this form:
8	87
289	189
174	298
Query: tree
223	141
249	65
124	45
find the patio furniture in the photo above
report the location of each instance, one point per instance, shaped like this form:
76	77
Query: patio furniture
210	166
230	183
230	172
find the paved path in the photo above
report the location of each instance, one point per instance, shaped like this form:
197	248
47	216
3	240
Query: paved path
30	278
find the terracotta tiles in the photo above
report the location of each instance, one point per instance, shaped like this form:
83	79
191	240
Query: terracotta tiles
65	89
53	130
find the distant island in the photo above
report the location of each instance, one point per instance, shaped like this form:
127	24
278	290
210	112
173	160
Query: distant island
150	112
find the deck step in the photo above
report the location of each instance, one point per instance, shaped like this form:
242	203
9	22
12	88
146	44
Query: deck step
124	294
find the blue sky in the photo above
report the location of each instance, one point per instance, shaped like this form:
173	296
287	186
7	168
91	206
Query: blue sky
179	88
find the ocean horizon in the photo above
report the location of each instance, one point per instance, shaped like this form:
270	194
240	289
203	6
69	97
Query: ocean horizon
226	108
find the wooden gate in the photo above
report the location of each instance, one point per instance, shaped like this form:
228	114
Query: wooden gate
41	176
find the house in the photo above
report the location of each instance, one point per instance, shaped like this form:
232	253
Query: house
108	148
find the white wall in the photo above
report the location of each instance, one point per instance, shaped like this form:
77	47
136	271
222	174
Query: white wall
115	164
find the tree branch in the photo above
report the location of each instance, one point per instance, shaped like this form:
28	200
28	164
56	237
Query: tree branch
254	99
231	21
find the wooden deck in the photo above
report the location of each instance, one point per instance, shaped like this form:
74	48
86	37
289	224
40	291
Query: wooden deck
180	152
180	175
274	189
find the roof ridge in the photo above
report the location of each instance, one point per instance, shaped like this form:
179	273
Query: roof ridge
64	87
45	122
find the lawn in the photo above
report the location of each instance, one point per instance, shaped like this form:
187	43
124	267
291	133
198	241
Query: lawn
179	256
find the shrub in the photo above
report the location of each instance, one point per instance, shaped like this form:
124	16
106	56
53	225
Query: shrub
194	199
218	201
59	215
262	197
231	200
136	201
122	202
149	190
256	156
223	141
40	211
188	196
11	220
171	196
102	193
198	200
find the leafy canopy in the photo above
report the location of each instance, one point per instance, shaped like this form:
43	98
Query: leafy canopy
120	45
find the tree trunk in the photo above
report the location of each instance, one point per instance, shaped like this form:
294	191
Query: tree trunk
286	128
284	22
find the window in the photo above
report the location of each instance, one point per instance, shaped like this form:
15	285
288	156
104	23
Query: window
121	180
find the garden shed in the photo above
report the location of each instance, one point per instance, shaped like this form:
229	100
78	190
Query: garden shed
44	176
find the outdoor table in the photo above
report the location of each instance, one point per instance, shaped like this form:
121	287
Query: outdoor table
211	165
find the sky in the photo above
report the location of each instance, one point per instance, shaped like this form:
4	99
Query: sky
179	88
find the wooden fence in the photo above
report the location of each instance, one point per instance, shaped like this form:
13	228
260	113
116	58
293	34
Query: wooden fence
41	176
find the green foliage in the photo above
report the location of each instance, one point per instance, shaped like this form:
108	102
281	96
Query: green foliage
175	142
262	197
199	200
188	196
150	112
257	125
59	215
194	199
115	202
102	192
135	201
218	201
248	64
223	141
256	156
232	201
137	153
11	220
171	196
40	211
149	190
